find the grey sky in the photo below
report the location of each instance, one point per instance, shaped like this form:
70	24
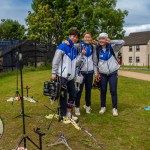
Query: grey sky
138	11
138	18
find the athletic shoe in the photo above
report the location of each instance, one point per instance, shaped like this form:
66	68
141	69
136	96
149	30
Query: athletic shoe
102	110
74	118
77	111
115	112
87	108
71	116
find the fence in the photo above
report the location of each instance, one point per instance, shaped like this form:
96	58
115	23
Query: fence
32	53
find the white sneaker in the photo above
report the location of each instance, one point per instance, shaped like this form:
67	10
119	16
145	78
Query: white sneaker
103	109
77	111
87	108
115	112
71	116
74	118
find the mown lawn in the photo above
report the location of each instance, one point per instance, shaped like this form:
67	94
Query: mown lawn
129	131
140	69
145	71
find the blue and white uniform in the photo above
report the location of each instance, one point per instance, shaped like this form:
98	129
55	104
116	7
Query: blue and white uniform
88	68
90	59
108	67
107	62
64	65
65	60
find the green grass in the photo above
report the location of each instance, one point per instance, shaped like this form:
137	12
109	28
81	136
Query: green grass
145	71
129	131
131	66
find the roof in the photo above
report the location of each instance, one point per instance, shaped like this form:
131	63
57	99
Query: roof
137	38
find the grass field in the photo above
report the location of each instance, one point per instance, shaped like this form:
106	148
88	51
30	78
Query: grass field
140	69
145	71
129	131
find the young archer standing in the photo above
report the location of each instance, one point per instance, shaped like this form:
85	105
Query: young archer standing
63	66
88	68
108	68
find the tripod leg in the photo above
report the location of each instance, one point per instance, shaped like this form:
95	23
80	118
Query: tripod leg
65	142
61	140
56	142
33	142
21	115
40	142
19	143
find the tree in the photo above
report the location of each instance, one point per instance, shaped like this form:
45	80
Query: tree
40	23
11	30
52	19
101	16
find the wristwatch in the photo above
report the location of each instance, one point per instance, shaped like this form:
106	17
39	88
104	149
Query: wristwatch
1	127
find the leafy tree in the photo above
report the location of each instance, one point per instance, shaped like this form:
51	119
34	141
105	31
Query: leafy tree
52	19
101	16
40	23
11	30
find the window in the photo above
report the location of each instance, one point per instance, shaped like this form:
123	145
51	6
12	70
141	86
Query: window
130	59
137	48
130	48
137	59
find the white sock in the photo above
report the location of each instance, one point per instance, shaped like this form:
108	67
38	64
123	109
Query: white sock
68	114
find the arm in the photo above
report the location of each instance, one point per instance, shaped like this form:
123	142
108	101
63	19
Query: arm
95	63
56	61
96	43
117	45
75	45
79	60
95	60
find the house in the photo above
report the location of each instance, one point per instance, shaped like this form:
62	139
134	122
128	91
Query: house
136	51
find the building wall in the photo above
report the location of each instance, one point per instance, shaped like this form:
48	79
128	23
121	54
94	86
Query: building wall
148	53
142	54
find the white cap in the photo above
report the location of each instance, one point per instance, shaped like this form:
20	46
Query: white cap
102	35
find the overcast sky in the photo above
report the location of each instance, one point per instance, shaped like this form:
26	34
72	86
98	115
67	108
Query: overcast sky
138	18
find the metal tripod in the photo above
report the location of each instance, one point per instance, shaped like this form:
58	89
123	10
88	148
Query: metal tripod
25	137
61	140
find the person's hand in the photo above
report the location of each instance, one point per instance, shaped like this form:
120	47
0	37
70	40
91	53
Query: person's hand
53	78
108	41
66	42
97	77
94	42
83	51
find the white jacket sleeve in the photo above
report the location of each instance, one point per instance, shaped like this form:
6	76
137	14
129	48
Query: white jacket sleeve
56	61
117	45
95	59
